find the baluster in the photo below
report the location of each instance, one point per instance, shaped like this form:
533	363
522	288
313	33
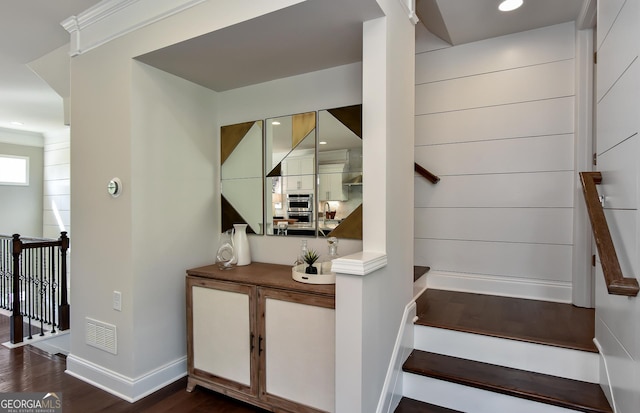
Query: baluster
41	289
28	274
52	287
63	311
16	316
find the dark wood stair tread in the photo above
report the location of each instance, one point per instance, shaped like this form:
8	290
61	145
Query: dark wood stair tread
414	406
419	271
540	322
557	391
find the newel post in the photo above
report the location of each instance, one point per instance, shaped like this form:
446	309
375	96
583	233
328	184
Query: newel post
63	309
16	314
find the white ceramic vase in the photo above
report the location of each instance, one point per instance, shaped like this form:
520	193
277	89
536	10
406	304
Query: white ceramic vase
241	244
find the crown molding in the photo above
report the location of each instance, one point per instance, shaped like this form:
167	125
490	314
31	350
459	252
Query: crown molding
111	19
588	15
409	7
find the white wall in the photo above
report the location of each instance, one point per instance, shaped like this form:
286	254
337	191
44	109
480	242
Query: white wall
329	88
56	202
370	306
21	205
617	87
142	242
495	121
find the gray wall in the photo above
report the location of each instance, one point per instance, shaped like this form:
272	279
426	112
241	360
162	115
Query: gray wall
21	206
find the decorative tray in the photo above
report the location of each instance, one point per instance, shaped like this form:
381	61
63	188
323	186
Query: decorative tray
324	276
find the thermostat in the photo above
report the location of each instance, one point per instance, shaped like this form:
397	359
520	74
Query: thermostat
114	187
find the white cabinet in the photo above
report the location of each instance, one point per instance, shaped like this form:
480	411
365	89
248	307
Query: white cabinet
221	325
299	350
263	343
299	173
331	186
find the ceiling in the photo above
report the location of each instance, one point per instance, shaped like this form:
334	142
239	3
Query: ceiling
305	37
309	36
465	21
30	29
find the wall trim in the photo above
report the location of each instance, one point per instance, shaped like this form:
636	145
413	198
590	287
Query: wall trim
111	19
556	291
392	387
588	15
583	293
606	387
409	7
361	263
126	388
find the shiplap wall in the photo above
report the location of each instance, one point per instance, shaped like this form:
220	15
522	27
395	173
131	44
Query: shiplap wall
495	120
57	188
618	149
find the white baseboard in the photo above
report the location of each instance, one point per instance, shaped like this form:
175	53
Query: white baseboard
555	291
36	338
539	358
126	388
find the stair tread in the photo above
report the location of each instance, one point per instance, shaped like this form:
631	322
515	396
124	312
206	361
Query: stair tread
541	322
419	271
568	393
414	406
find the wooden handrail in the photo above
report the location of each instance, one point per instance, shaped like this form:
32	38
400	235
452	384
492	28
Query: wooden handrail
616	283
426	174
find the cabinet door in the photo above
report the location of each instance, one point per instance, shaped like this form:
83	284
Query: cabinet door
299	174
221	322
331	183
298	355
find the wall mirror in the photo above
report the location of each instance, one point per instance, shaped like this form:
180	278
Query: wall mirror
340	172
290	175
241	175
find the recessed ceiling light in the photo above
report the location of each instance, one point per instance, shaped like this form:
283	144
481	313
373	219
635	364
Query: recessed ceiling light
275	122
508	5
15	122
322	143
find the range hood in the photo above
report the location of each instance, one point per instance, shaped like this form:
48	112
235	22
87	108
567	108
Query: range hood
354	181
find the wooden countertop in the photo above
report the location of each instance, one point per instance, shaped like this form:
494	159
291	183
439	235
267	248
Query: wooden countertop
264	275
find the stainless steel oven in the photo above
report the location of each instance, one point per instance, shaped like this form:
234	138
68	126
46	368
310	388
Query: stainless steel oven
300	207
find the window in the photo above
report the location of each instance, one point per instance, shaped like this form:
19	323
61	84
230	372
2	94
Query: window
14	170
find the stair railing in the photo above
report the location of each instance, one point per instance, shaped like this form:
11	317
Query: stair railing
426	174
33	284
616	283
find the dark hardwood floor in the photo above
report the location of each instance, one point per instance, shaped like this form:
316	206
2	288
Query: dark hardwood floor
542	322
28	369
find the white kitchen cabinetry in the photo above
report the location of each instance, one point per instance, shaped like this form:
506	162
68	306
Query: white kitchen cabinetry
331	186
261	337
299	173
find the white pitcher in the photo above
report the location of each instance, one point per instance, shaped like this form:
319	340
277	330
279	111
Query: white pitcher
241	244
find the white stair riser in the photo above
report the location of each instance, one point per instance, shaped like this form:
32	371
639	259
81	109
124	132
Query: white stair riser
469	399
555	361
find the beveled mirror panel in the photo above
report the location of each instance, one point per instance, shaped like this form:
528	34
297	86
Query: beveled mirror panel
290	175
340	172
241	175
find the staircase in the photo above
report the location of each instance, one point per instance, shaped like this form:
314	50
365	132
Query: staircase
486	354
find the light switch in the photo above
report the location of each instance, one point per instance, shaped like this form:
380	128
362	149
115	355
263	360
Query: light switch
117	300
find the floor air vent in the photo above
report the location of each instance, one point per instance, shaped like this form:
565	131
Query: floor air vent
101	335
